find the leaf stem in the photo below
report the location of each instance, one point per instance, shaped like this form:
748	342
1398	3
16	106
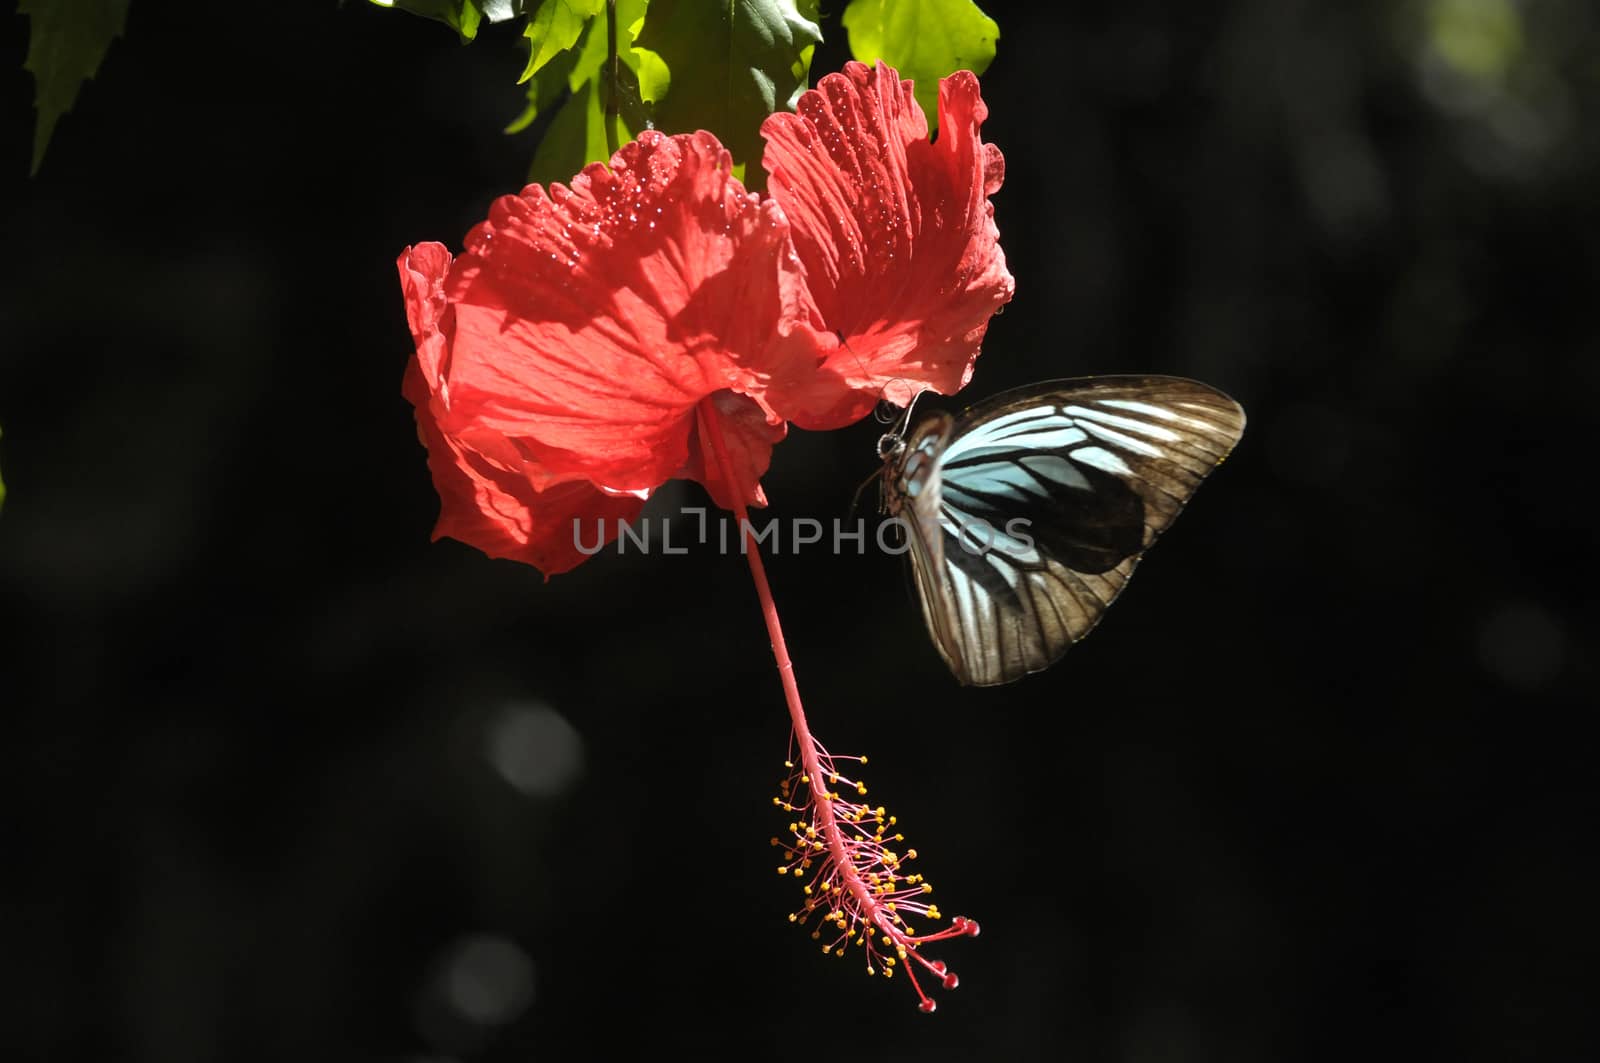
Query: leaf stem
613	74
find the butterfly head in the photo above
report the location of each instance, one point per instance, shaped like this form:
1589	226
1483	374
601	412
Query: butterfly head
910	461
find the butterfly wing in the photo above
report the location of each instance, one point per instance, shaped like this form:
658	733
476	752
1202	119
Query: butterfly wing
1028	513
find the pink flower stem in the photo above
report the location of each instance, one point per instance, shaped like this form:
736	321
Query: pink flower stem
872	907
711	431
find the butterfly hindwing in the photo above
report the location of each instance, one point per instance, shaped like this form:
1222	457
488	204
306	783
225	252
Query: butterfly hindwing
1029	512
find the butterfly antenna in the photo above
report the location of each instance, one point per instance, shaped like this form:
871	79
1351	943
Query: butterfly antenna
905	418
855	500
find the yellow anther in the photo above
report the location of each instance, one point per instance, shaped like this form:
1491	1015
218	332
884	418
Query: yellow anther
805	778
887	941
927	887
890	906
839	951
861	787
888	972
870	971
863	760
774	841
811	832
793	918
783	870
900	952
892	819
806	890
818	846
888	961
788	763
833	776
879	810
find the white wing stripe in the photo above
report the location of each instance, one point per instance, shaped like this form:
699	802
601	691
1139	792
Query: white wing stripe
1101	458
1144	428
1137	446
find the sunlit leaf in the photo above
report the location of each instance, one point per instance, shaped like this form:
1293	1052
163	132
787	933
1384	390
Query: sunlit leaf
647	67
545	89
732	63
556	27
584	62
924	40
67	40
654	77
577	136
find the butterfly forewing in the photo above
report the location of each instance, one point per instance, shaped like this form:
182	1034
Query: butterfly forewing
1028	513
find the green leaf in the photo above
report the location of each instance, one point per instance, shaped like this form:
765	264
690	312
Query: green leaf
545	89
651	70
924	40
571	69
732	63
463	16
577	136
67	40
577	66
555	28
647	67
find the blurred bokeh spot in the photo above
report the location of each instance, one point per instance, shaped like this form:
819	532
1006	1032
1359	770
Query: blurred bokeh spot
535	749
1522	645
480	982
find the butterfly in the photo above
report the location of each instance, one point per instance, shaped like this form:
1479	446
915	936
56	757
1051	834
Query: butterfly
1027	513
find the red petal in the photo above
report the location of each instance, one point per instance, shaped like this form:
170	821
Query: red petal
494	508
589	323
897	236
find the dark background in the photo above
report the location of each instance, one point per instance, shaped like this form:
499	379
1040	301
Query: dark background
282	780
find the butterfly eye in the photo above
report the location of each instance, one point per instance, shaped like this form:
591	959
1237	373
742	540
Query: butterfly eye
890	446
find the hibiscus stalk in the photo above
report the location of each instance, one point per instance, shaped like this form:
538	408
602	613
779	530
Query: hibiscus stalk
862	888
615	76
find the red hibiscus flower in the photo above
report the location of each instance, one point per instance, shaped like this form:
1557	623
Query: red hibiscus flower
561	358
568	358
656	320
